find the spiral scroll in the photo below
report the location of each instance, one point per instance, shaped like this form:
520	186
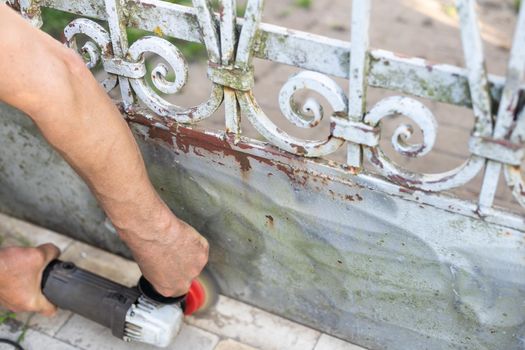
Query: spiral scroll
100	46
176	60
425	120
304	80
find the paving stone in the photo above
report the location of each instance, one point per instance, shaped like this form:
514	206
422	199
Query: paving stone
46	325
88	335
255	327
103	263
194	338
327	342
20	233
230	344
33	340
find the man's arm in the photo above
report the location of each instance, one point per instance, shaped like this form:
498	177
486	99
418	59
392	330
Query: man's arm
53	86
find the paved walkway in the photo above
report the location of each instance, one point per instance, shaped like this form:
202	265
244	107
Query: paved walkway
231	325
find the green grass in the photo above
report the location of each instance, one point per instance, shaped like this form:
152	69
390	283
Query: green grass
25	327
6	317
305	4
517	4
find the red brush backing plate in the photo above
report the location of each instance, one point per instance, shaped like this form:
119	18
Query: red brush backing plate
195	298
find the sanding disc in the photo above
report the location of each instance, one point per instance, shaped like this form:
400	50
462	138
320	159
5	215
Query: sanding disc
202	296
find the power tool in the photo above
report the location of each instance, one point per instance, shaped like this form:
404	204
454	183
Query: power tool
133	314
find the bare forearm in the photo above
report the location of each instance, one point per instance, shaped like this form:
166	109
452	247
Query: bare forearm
96	141
52	85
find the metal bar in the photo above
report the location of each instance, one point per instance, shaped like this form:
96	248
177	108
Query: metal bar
476	70
209	29
228	19
248	35
507	108
358	72
119	40
479	91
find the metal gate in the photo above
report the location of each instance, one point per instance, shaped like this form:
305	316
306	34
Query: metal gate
379	256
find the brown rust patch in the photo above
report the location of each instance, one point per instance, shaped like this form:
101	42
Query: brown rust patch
161	134
269	221
407	183
186	139
295	175
375	158
406	190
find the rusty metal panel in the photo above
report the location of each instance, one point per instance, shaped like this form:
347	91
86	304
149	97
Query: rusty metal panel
339	253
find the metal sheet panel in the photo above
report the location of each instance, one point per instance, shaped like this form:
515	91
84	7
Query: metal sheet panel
302	239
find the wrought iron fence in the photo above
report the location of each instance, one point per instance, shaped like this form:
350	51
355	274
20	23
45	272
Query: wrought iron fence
496	141
383	259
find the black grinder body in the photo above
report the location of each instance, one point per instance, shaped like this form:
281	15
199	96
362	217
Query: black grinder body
94	297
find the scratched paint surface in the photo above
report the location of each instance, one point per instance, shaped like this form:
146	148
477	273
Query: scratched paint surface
328	251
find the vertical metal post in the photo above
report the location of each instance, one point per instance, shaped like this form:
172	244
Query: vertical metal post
231	106
359	61
119	40
507	108
478	83
248	36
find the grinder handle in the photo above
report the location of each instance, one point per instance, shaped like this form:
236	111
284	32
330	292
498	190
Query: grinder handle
87	294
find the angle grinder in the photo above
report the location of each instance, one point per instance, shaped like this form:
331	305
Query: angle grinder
138	314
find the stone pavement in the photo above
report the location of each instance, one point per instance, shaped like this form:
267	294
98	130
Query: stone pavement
230	325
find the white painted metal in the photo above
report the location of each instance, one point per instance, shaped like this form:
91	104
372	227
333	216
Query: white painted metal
232	76
359	61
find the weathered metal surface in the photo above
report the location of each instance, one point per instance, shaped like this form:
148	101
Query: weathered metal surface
304	50
231	73
382	260
336	252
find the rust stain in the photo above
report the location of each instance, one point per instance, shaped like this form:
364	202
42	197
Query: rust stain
402	181
406	190
375	159
269	221
502	142
158	133
185	139
148	6
295	175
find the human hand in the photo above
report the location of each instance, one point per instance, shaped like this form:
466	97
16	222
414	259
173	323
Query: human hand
21	275
172	259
